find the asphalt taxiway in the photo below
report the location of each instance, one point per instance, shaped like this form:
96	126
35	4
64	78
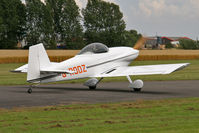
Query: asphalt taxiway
54	94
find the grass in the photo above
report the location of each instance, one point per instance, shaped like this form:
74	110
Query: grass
160	116
189	73
8	78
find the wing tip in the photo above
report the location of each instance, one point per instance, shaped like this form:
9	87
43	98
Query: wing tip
183	65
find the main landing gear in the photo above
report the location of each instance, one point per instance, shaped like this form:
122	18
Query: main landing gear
92	83
137	85
92	87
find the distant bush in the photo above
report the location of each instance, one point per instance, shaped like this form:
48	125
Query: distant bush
169	45
188	44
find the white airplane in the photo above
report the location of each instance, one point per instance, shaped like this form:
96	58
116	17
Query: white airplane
94	61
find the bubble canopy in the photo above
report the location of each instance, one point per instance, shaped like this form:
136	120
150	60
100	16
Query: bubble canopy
94	48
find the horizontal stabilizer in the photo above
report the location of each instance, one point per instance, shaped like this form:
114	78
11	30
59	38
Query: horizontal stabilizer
22	69
56	71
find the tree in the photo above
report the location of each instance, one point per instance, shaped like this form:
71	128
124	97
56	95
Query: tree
131	37
35	22
188	44
12	22
1	24
169	45
104	23
48	28
66	23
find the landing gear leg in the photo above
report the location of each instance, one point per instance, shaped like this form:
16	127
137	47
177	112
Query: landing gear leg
99	80
129	79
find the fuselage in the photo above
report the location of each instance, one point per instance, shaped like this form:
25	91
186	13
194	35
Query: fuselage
90	64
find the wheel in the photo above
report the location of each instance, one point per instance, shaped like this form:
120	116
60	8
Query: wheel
137	89
92	87
29	91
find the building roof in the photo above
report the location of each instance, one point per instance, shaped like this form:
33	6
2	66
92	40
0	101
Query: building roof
175	38
151	38
169	38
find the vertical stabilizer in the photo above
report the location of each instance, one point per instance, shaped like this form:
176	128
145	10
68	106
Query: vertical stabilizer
37	59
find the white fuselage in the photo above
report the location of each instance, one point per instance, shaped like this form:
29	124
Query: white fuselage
90	65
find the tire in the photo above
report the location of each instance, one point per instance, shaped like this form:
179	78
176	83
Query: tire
92	87
137	89
29	91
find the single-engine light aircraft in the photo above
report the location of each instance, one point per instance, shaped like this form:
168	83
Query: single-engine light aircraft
94	61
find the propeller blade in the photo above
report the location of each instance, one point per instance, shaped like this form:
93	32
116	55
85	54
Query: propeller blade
140	43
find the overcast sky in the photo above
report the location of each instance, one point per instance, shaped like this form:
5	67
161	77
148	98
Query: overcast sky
161	17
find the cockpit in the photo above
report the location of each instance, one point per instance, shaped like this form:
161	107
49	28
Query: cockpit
94	48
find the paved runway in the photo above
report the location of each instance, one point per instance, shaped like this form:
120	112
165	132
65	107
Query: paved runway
16	96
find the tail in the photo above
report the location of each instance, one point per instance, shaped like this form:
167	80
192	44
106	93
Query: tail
37	59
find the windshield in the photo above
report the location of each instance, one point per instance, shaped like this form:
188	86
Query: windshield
94	48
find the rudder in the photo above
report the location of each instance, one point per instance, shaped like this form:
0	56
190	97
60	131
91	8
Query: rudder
37	59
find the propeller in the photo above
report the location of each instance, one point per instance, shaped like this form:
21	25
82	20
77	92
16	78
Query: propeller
139	43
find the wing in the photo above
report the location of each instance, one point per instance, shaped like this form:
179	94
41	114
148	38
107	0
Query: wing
143	70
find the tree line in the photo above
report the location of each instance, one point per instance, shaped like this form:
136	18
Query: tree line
62	22
189	44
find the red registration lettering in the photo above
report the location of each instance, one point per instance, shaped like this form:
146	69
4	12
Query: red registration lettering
84	68
77	69
63	75
71	69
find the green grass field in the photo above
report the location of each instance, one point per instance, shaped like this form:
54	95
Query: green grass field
189	73
160	116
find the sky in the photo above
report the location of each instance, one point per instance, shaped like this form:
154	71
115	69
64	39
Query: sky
159	17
